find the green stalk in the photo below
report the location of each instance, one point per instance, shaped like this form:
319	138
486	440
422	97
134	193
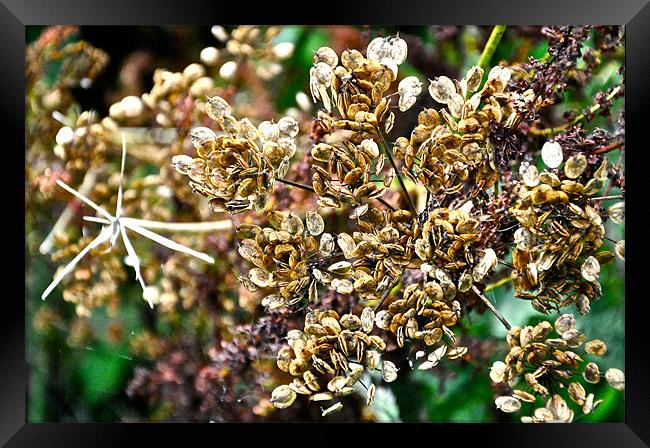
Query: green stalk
491	46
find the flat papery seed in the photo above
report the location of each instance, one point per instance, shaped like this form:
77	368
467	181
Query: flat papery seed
321	396
269	130
497	371
596	347
383	319
350	322
390	119
590	269
370	147
334	408
200	135
217	107
337	383
620	249
616	378
288	126
524	396
64	136
437	355
399	50
181	163
327	244
283	396
617	213
323	74
474	77
583	304
260	277
591	374
409	88
340	267
315	223
577	393
326	55
377	49
441	89
370	394
273	301
346	243
507	404
388	371
359	211
342	286
552	155
575	166
559	407
530	176
292	224
564	323
367	319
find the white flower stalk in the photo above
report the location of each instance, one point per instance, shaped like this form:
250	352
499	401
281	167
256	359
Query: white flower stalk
115	226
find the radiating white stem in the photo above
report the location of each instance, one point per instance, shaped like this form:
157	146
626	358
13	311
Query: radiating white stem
135	260
68	213
166	241
84	199
103	236
208	226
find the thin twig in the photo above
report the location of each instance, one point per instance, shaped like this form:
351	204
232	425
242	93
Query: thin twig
576	120
491	307
607	198
608	148
295	184
498	284
311	189
86	185
399	178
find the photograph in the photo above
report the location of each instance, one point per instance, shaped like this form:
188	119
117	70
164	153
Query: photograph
336	223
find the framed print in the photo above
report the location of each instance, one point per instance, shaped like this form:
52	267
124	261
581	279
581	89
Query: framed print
382	213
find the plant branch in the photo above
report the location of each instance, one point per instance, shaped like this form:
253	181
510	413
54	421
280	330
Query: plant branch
498	283
576	120
311	189
492	308
399	178
68	213
195	227
607	198
491	46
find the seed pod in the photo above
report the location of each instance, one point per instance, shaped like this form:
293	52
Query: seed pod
388	371
507	404
282	397
575	166
616	378
315	223
591	374
552	154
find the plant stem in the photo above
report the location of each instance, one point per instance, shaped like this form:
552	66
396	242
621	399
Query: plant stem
86	185
296	184
399	178
492	308
576	120
498	283
196	227
491	46
607	198
311	189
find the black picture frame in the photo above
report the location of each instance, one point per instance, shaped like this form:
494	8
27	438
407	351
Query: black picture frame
635	14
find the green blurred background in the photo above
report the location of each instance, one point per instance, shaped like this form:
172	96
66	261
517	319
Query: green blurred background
78	368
